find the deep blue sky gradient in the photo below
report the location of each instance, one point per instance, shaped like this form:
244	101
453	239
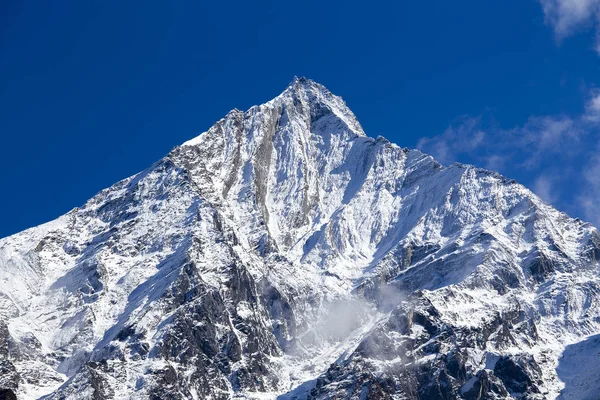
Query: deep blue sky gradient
92	92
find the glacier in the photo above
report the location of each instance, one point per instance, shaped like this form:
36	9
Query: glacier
284	254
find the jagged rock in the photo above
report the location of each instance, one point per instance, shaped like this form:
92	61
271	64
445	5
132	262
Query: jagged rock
7	394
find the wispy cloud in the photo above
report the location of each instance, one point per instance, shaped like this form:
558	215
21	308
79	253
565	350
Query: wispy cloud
547	153
543	187
590	192
492	146
592	108
557	156
464	137
570	16
547	136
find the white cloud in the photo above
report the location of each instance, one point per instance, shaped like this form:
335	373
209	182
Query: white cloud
555	155
495	162
462	138
542	136
592	108
543	187
493	146
590	196
567	16
570	16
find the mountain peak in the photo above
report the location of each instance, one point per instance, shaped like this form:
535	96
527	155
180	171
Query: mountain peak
314	99
283	250
316	91
302	80
307	100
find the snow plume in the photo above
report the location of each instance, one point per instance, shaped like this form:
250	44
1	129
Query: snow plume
342	317
347	320
388	297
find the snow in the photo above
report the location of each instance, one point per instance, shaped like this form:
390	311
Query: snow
579	368
195	141
295	192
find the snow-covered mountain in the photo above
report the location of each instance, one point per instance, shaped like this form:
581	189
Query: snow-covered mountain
285	254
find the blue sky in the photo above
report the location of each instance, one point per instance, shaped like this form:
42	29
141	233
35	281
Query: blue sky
92	92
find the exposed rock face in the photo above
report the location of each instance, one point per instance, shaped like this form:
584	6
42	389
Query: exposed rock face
285	253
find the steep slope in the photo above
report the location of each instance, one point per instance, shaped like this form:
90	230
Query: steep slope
285	253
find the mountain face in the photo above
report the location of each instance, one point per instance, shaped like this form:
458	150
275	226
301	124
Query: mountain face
285	254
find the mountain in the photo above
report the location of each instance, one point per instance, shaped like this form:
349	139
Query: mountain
285	254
